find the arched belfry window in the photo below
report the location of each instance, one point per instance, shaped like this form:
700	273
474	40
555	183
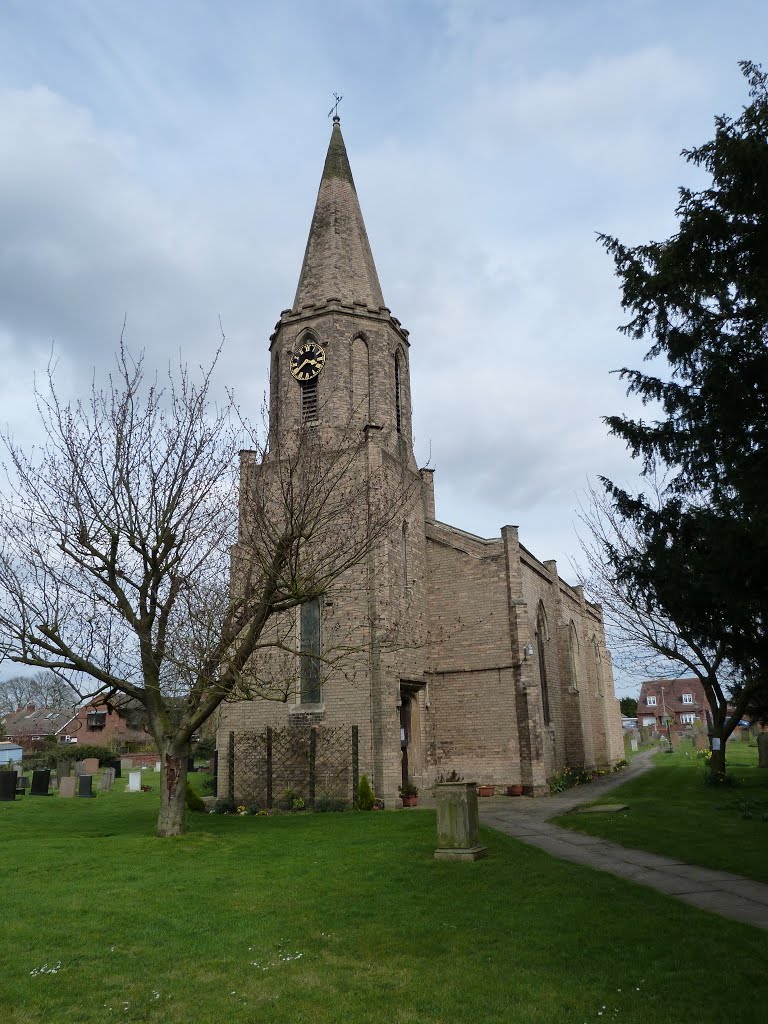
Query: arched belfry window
311	691
542	635
398	393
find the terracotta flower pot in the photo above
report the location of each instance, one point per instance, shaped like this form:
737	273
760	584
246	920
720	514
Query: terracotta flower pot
486	790
410	801
516	790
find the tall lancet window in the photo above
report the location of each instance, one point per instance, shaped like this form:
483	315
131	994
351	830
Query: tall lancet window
405	557
311	690
542	634
398	394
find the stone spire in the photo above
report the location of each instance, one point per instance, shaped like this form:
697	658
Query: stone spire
338	262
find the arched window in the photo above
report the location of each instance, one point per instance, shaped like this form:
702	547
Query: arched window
542	634
405	556
398	394
311	690
573	650
598	665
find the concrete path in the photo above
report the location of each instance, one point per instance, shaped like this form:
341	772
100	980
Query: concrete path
718	891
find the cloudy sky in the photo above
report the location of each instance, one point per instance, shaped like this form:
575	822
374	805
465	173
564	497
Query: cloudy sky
159	162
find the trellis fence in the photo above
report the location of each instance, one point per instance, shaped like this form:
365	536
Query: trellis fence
311	761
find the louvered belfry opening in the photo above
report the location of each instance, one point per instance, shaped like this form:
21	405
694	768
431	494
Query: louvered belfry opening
309	402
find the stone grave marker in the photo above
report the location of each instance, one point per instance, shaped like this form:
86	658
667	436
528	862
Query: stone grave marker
134	782
85	786
701	740
63	770
106	781
22	784
8	786
762	750
67	786
116	766
91	765
126	763
633	740
158	766
41	781
458	823
80	768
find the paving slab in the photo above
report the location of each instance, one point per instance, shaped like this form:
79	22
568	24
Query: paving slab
719	892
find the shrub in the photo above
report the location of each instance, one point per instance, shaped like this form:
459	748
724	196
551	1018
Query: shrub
365	794
53	754
325	804
194	802
408	789
224	805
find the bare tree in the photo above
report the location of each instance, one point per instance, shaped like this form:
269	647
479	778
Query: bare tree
115	541
646	642
43	689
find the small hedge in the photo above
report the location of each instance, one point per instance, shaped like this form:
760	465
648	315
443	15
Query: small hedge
68	752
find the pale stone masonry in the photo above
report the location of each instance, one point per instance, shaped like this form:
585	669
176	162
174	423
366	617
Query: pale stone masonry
497	669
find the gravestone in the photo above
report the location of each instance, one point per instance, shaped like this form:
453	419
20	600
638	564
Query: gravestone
676	739
458	823
80	768
22	784
701	740
762	750
106	780
134	782
67	786
126	763
633	740
158	766
41	780
91	765
63	770
116	767
8	785
85	786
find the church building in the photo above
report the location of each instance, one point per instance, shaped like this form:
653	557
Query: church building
505	678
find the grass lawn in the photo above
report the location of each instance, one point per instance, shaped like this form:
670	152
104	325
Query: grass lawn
339	918
672	812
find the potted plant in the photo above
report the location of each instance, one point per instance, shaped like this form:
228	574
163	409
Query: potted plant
486	790
409	794
516	790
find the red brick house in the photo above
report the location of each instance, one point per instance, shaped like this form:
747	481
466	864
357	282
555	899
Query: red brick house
93	724
682	700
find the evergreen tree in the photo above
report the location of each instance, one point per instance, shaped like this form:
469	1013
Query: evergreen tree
701	296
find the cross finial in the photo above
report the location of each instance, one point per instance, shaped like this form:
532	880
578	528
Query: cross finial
335	108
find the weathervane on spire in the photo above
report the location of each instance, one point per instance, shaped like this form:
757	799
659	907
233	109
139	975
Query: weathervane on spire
335	108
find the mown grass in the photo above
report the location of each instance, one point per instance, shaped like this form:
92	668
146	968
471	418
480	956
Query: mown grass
338	918
673	812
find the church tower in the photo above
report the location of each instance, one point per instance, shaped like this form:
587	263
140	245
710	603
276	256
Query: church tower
339	365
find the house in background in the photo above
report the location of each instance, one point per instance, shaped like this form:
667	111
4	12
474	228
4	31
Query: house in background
682	700
94	724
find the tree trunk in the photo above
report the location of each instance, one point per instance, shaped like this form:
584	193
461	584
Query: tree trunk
717	757
173	791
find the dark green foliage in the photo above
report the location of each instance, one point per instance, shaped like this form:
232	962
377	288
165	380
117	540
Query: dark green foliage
701	299
194	802
365	794
224	805
68	752
628	707
327	803
408	789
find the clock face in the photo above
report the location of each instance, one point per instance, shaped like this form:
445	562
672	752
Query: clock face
308	361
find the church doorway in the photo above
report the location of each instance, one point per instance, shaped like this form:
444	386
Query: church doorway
410	732
405	734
